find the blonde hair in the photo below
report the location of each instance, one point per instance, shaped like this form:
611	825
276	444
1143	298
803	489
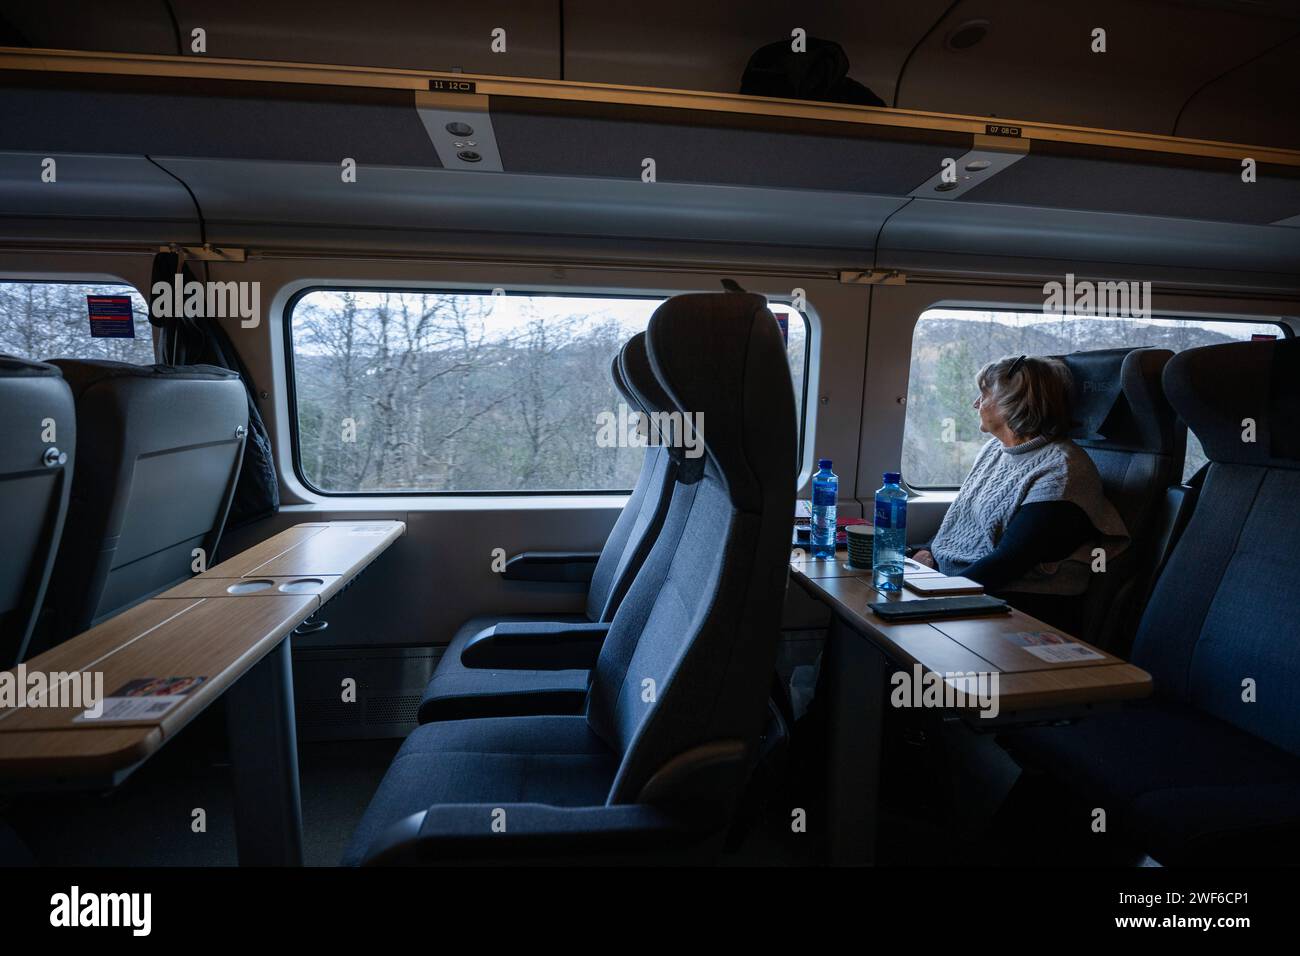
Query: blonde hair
1032	394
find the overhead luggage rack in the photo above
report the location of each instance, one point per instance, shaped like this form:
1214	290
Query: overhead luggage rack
508	94
443	157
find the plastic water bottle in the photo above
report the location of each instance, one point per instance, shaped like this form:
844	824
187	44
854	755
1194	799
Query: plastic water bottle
825	494
889	540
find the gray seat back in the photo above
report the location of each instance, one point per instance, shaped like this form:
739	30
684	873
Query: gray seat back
35	479
160	449
1220	630
1127	427
688	662
639	522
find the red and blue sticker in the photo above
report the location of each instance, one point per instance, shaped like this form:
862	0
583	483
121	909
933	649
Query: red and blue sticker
110	317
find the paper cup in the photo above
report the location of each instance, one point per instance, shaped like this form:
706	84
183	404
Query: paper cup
859	540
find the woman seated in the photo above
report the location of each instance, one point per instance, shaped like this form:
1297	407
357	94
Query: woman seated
1031	511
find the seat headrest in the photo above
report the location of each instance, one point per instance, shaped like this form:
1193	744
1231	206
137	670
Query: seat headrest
634	366
1218	388
620	386
722	362
11	366
1116	400
81	374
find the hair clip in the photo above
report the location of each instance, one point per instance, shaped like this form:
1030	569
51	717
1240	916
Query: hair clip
1015	366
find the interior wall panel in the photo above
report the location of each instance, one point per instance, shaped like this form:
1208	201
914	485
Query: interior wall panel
406	34
685	44
122	26
1036	61
1258	103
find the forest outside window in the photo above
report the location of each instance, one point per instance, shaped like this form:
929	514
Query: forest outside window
428	392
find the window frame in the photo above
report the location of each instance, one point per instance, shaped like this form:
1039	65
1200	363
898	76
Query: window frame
449	289
1286	330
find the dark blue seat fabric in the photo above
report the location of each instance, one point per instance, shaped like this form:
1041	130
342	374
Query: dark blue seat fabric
1181	785
638	524
679	692
159	448
458	690
1209	770
554	760
36	470
1225	610
13	852
1124	423
708	602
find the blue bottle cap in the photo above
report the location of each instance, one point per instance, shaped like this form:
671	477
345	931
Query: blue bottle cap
823	462
892	477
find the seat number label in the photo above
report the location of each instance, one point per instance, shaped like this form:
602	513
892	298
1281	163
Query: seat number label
453	86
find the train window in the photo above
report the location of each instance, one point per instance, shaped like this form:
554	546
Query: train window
43	320
401	391
941	434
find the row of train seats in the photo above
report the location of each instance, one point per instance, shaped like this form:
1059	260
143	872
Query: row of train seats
111	476
1131	409
631	731
1208	769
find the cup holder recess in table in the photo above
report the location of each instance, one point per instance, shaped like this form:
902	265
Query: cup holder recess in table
250	587
302	586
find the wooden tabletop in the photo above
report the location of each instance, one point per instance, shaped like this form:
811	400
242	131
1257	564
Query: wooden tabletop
995	644
192	641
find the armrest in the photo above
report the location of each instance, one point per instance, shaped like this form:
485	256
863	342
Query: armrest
536	645
531	832
563	566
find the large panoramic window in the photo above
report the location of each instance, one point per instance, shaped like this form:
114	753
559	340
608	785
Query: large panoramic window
941	436
439	391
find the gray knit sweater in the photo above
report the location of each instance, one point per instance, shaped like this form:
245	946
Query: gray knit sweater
1001	480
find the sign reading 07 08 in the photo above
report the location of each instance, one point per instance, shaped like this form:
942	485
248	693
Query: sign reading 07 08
452	86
